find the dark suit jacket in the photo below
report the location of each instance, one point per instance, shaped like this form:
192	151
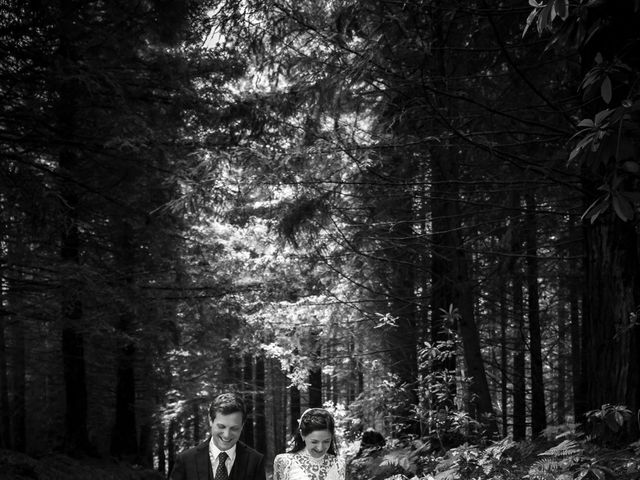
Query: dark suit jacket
194	464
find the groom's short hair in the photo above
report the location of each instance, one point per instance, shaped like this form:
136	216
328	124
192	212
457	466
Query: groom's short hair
226	404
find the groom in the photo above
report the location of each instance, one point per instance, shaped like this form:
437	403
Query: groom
222	453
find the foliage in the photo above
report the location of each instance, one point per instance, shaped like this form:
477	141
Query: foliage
609	423
569	459
566	454
606	142
442	407
417	460
473	463
380	400
398	458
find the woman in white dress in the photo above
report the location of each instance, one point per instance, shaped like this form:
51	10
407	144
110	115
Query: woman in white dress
314	453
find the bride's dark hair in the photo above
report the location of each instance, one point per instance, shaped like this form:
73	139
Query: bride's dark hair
311	420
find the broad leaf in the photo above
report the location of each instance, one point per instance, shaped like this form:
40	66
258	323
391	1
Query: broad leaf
562	8
602	115
606	90
624	210
596	209
530	19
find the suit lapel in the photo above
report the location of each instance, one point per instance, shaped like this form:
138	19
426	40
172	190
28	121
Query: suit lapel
240	463
203	465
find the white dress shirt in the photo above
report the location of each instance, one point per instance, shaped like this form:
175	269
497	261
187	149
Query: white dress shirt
213	457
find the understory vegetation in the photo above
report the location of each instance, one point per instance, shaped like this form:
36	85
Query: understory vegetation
563	452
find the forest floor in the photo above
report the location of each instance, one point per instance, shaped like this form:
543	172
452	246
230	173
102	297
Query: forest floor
502	460
18	466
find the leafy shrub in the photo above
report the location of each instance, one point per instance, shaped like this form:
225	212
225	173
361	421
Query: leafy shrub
444	393
397	458
573	460
469	462
609	424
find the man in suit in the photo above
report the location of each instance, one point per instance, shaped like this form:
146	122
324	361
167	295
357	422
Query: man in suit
222	453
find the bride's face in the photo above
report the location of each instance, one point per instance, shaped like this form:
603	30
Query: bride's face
317	442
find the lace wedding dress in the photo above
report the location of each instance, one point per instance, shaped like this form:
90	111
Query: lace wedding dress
302	466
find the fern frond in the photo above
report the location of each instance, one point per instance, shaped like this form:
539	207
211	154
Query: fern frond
567	448
498	449
545	465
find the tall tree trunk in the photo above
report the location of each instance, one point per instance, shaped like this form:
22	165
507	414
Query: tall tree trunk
315	372
260	411
504	358
610	332
161	454
354	369
576	338
561	404
5	354
145	457
315	387
171	445
452	283
611	368
248	386
294	408
443	268
519	377
538	411
519	359
19	387
124	442
75	436
147	408
479	388
196	420
273	407
278	394
394	210
332	379
402	339
5	425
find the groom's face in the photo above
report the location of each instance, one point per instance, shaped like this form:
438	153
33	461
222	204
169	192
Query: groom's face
226	430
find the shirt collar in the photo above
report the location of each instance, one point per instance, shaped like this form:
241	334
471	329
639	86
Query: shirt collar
215	451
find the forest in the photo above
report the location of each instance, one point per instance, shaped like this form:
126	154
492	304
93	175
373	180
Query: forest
423	215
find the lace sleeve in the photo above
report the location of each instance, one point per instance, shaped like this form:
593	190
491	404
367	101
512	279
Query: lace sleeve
281	467
341	468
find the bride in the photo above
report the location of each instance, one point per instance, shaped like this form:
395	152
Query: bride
313	455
